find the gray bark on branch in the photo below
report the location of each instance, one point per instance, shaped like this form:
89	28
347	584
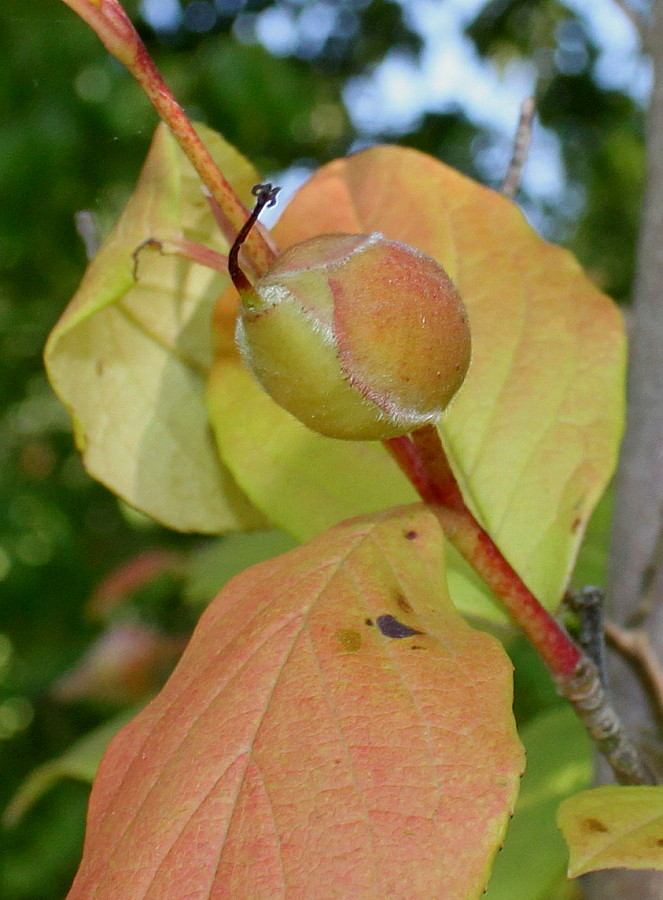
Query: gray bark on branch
636	568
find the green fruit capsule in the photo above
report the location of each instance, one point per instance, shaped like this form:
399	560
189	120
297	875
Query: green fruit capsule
358	336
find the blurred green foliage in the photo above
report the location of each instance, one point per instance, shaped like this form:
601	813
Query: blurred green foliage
73	132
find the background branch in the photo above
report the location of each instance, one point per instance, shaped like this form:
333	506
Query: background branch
634	645
521	142
635	568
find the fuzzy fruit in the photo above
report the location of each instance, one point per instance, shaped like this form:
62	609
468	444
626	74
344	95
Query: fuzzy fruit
358	336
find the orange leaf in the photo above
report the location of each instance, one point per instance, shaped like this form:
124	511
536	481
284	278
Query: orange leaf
125	664
533	432
334	729
131	575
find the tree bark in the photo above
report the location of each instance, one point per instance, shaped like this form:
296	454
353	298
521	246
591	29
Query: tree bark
635	586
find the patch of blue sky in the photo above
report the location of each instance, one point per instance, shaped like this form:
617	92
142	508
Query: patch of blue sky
621	64
289	181
163	15
449	75
276	29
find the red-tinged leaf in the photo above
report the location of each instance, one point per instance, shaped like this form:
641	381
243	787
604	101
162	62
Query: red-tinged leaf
613	827
299	752
126	663
533	433
129	577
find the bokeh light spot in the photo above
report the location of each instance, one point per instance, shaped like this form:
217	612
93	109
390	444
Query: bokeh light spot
16	714
93	84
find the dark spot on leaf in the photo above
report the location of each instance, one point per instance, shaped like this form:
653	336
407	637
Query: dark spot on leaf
596	826
392	628
402	603
576	524
350	639
411	535
659	842
417	647
368	621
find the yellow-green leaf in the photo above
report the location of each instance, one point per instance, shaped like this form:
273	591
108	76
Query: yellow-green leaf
79	762
613	827
533	432
130	355
209	567
559	762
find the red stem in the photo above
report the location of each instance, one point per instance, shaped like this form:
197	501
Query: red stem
116	31
424	461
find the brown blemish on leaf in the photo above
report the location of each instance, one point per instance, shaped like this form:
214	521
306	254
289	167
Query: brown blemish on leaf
411	535
659	842
596	826
417	647
349	638
403	604
368	622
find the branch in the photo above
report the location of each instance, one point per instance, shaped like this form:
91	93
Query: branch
634	646
521	144
88	231
114	28
636	563
588	605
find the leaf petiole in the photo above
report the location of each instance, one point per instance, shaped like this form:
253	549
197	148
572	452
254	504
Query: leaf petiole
423	459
